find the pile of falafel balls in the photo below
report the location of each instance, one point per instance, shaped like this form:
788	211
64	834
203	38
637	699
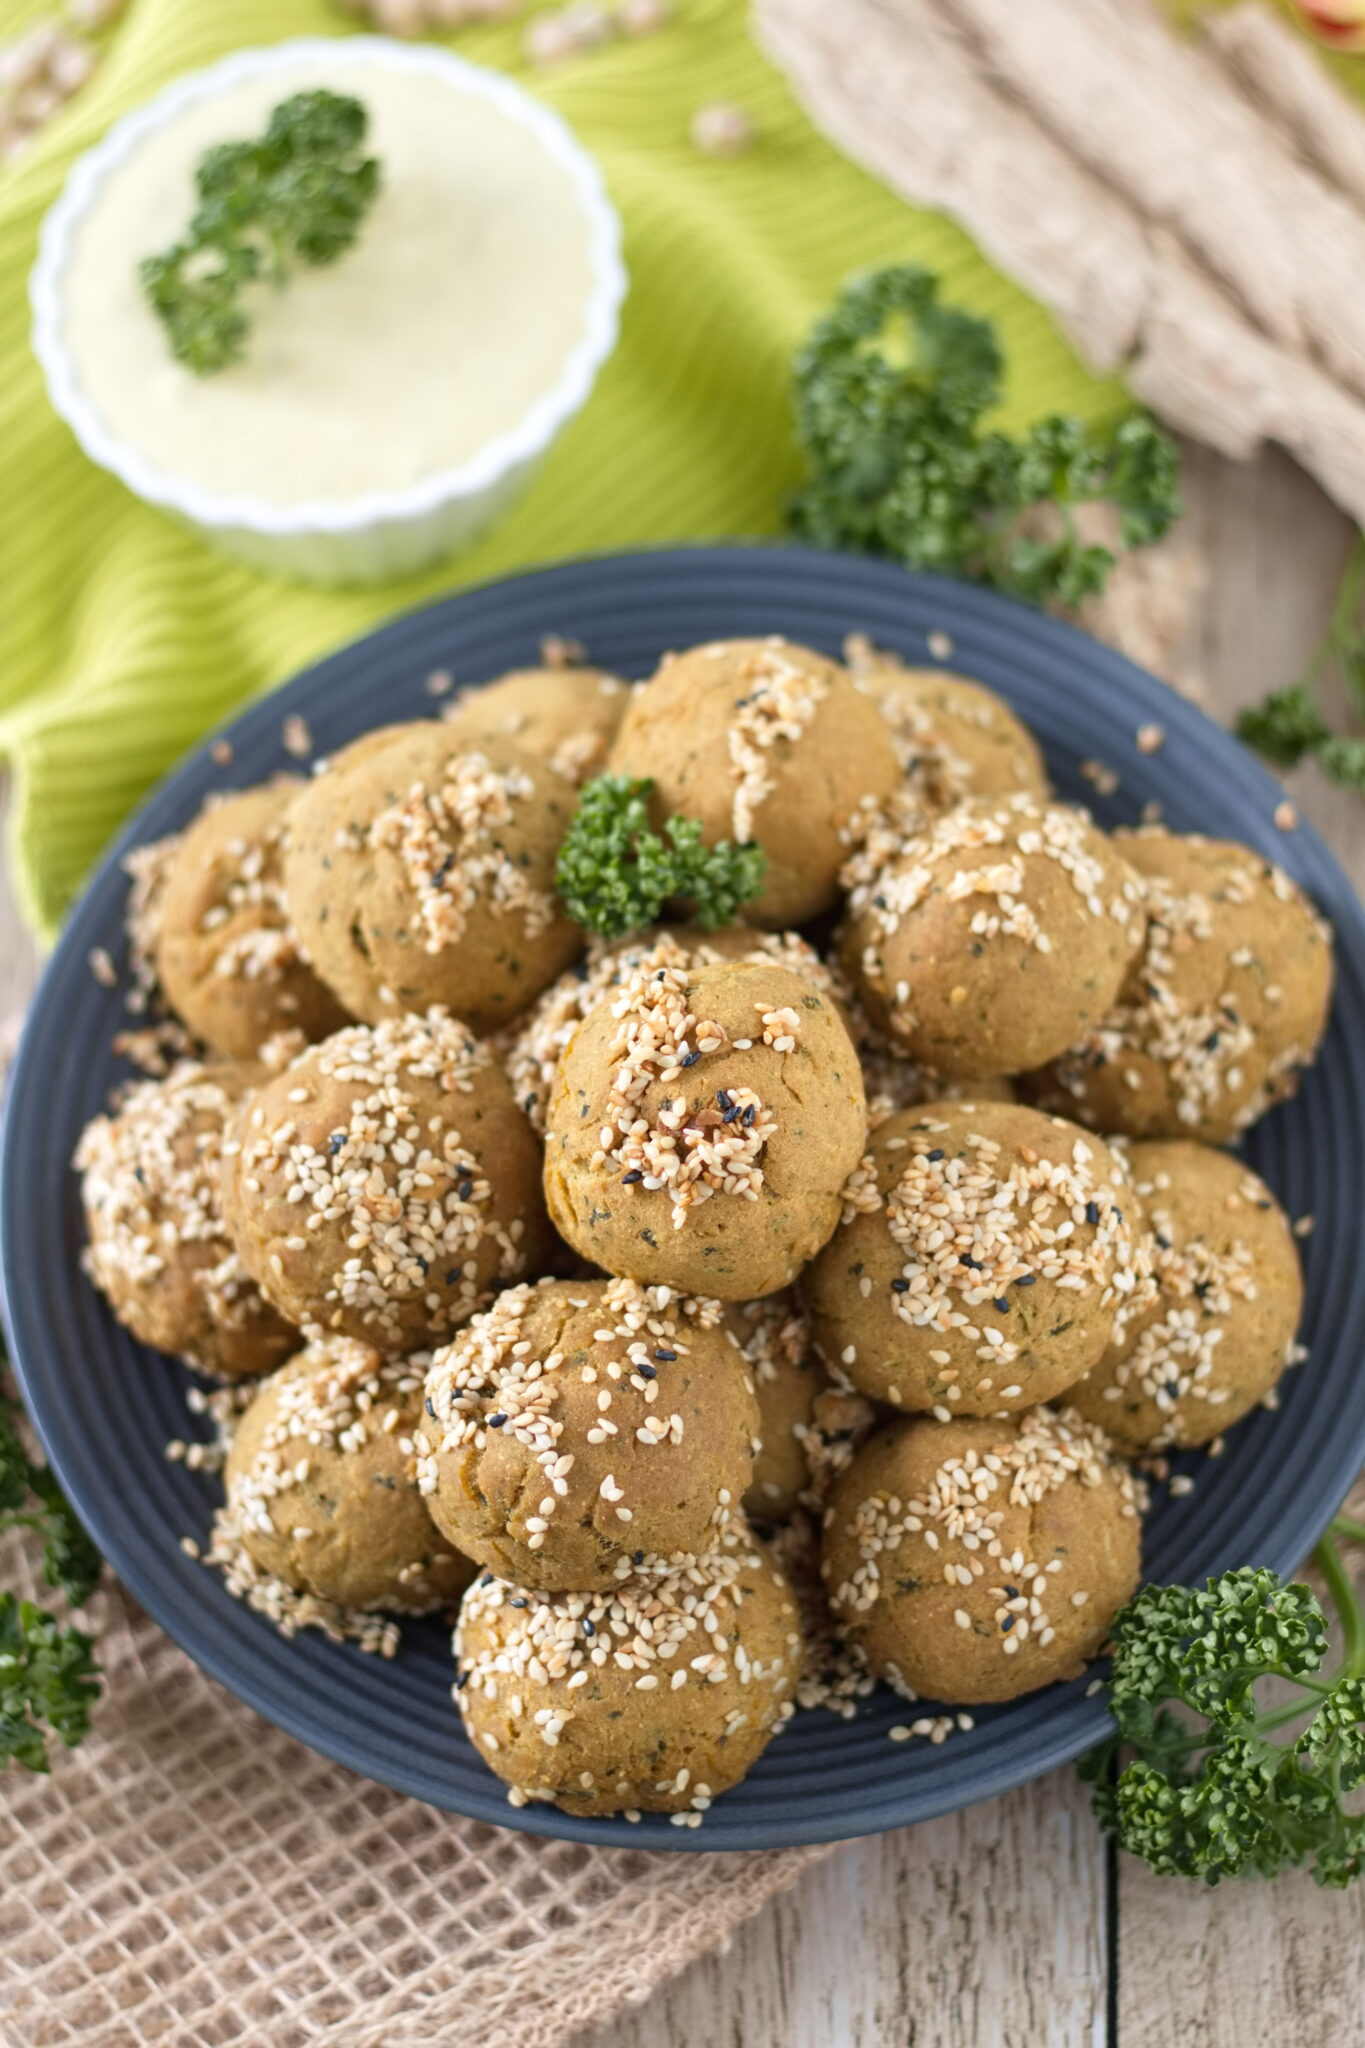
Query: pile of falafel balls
892	1224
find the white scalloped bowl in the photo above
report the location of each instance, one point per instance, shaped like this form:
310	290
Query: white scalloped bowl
383	534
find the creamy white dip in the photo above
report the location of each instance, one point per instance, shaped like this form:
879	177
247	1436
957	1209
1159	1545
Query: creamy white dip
454	311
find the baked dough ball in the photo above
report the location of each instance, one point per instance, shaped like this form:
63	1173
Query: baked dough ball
1221	1011
702	1125
809	1427
532	1049
972	1561
385	1182
763	740
657	1694
565	716
987	1256
1229	1297
1003	926
224	951
422	870
322	1485
158	1247
576	1425
955	737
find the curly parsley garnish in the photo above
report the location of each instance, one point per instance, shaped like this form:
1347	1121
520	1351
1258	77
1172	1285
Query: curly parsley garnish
890	391
298	195
1287	726
49	1680
1205	1792
615	873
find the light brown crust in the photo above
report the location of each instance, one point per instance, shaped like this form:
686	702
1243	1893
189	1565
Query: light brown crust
749	1143
567	717
1054	1553
420	870
767	740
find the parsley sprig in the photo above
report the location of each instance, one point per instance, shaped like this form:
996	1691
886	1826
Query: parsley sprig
616	874
1206	1792
297	195
891	388
49	1680
1288	726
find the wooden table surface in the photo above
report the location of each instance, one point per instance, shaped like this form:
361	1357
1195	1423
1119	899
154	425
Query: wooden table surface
1012	1925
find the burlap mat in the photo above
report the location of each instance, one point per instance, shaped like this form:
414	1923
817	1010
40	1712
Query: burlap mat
191	1876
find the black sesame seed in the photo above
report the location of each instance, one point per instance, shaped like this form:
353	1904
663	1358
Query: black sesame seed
937	1153
900	1286
1092	1212
967	1260
689	1059
452	1275
461	1680
748	1117
1011	1592
496	1421
588	1628
648	1372
465	1190
518	1603
487	1579
335	1142
637	1557
629	1179
1007	1624
1026	1280
1163	1241
1002	1303
667	1356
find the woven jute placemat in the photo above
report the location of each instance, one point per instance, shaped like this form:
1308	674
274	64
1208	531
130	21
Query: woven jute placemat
191	1876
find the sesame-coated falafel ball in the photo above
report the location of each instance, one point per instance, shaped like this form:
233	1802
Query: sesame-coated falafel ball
421	870
159	1249
576	1425
385	1182
1229	1295
531	1049
657	1694
1003	925
955	737
1220	1012
763	740
322	1484
986	1258
702	1125
223	947
567	717
976	1560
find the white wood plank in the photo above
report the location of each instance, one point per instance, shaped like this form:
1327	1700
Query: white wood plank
982	1930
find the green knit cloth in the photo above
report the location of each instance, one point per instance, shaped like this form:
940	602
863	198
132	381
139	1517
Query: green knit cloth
124	639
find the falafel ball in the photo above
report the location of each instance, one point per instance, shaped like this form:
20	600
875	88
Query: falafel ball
420	870
955	737
576	1425
658	1694
1003	925
987	1256
385	1182
972	1561
567	717
1229	1297
1223	1008
321	1481
223	949
159	1249
766	741
894	1082
532	1048
702	1125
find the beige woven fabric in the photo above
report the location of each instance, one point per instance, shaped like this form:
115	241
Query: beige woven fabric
192	1877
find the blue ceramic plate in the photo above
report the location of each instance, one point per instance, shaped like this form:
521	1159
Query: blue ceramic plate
105	1407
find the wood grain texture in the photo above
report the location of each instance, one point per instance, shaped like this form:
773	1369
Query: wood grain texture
994	1928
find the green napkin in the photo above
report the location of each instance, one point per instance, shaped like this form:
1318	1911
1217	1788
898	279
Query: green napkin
123	639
